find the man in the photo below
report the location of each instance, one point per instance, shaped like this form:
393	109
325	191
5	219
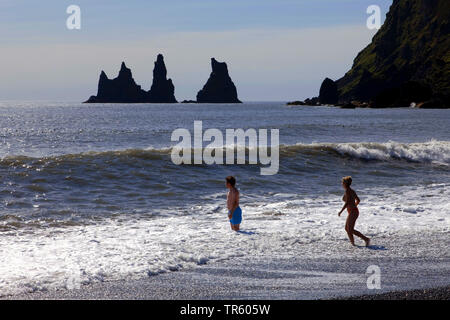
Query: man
234	211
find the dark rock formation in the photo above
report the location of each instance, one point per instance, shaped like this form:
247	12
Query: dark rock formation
308	102
312	101
403	95
407	61
162	90
348	106
124	89
434	103
296	103
355	104
219	88
188	101
328	92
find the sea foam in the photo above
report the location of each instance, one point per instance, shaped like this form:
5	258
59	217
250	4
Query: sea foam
285	224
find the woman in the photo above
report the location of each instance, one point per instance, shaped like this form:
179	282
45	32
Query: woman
351	203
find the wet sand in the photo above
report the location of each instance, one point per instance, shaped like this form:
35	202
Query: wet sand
292	277
442	293
289	279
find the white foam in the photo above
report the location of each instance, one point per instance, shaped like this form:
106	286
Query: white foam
282	225
432	151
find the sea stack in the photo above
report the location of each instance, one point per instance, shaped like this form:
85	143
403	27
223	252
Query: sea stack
124	89
328	92
162	90
407	61
219	88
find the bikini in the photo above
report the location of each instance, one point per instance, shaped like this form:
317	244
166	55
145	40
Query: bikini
351	210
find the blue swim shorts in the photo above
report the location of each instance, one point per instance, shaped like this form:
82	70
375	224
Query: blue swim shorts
237	216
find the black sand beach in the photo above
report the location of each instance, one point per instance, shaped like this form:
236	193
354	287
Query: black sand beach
282	278
442	293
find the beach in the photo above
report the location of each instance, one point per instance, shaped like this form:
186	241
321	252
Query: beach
223	150
92	200
288	278
442	293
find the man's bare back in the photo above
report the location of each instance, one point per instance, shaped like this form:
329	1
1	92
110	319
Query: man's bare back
232	199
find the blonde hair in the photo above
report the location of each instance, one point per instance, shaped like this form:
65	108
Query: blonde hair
347	181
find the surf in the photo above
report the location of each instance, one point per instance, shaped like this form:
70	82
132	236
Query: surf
433	151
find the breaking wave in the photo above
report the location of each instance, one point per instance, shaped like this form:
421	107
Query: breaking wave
437	152
427	152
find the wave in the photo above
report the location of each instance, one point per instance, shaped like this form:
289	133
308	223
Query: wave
145	154
436	152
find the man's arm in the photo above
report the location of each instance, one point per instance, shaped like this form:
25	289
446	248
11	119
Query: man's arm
230	199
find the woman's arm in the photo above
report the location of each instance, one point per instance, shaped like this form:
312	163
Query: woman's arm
343	208
357	201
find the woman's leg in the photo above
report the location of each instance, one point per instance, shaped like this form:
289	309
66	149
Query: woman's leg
359	234
350	228
349	225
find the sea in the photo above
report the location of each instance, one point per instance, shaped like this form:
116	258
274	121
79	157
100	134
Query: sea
89	192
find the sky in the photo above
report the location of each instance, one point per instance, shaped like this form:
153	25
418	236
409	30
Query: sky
276	50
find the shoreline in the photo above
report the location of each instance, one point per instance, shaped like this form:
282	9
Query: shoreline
198	285
277	277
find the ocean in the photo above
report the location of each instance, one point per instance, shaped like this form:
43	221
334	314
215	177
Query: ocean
89	192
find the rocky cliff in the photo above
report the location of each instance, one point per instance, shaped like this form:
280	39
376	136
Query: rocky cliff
162	90
407	61
328	93
219	88
124	89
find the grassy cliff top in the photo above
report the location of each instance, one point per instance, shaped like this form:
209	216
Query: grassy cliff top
413	44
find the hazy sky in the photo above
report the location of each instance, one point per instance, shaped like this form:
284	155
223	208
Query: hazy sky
275	49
